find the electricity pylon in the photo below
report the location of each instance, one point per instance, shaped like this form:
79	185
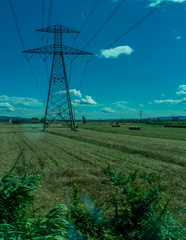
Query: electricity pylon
58	107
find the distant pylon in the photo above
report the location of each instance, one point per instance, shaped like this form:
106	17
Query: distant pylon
141	115
58	107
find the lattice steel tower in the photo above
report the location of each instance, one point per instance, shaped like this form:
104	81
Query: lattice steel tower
58	107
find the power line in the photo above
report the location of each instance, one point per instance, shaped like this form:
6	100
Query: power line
35	79
95	35
70	71
43	12
71	63
87	18
84	72
124	34
42	40
46	67
105	22
138	23
50	12
22	43
16	23
47	37
49	18
43	18
74	39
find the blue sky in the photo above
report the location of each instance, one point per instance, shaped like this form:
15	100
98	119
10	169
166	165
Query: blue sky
143	71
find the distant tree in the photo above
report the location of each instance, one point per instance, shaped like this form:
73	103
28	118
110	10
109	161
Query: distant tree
17	121
35	118
42	119
84	120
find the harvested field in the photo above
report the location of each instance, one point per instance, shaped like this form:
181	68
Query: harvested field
146	130
64	157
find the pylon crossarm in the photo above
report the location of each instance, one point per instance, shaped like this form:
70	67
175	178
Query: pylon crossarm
57	29
58	50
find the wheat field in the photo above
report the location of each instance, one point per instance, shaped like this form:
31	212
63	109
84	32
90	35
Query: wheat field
64	157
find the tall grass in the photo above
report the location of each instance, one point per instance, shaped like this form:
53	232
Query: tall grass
138	211
15	201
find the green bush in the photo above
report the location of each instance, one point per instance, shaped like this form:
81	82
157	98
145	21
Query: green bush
14	198
137	211
85	216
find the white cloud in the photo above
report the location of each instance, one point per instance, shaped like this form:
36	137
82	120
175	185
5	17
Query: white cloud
108	110
116	52
178	37
119	105
75	92
141	105
80	100
114	0
122	105
130	109
20	100
88	100
6	106
154	3
171	101
178	1
182	87
181	92
120	102
149	102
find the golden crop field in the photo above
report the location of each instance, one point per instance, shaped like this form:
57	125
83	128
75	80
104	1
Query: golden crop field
64	157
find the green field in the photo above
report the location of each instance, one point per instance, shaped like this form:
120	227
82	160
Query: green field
64	157
147	130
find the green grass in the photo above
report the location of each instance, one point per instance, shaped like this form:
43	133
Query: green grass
147	130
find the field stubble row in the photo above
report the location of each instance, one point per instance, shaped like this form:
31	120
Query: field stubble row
77	157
